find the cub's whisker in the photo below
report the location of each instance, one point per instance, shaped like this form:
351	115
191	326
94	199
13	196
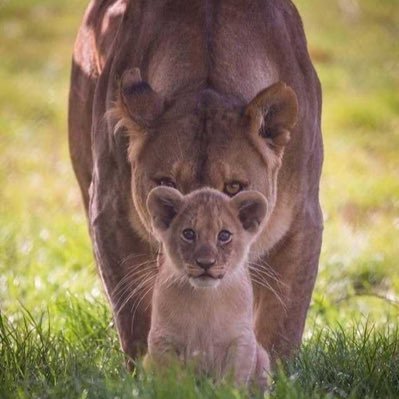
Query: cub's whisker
131	277
268	271
149	290
257	278
149	279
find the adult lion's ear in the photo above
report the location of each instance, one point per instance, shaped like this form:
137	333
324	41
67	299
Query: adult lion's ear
273	113
138	100
163	204
252	209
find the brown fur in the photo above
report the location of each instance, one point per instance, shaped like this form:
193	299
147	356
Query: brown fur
202	307
193	91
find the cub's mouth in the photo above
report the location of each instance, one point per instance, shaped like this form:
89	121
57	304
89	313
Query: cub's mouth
205	280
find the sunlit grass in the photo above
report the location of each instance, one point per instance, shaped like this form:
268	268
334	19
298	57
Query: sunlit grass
355	49
73	352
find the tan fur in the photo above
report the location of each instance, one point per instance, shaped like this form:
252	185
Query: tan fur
208	324
193	94
150	141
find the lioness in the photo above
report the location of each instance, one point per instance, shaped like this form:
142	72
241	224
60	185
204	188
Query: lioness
189	94
202	306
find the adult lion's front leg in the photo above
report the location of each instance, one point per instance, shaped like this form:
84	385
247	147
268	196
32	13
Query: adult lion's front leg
126	263
281	309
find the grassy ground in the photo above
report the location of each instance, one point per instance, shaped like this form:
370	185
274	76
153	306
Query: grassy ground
55	333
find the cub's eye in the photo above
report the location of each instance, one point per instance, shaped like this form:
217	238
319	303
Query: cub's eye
224	236
188	235
233	188
166	181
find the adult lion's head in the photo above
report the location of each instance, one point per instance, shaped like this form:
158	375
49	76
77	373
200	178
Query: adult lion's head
202	138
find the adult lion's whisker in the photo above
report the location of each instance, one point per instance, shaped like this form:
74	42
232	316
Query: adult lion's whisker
131	257
139	268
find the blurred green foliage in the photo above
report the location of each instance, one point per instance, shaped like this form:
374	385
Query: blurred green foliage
356	52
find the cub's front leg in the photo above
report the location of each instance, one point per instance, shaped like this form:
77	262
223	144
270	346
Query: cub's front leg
162	351
261	373
242	359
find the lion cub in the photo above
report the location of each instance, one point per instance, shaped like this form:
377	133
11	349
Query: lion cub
202	306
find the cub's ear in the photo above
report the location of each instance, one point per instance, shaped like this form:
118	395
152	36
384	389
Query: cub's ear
138	100
273	113
252	209
163	204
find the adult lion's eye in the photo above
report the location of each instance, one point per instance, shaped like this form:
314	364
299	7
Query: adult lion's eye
167	182
188	235
233	188
224	236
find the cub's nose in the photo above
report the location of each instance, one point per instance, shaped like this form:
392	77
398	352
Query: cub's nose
205	262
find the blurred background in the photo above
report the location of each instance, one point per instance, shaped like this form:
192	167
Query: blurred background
45	254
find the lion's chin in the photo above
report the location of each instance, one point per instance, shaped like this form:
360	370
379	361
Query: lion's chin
204	282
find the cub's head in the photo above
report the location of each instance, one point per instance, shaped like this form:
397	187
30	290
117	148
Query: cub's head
206	235
198	137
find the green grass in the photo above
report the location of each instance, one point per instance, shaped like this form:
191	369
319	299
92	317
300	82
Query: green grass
56	339
74	353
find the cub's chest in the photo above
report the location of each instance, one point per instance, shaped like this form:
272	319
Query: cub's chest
206	336
200	326
205	346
